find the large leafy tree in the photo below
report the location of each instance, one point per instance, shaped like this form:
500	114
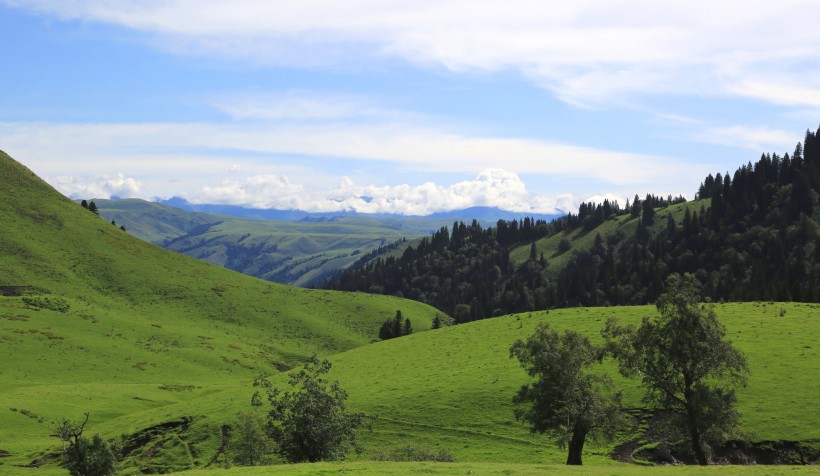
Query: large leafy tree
311	423
566	400
684	362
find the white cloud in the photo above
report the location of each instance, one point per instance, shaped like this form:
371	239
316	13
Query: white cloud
101	186
586	52
492	188
160	149
303	106
755	138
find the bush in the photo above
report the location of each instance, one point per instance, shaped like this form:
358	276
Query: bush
564	245
311	423
415	453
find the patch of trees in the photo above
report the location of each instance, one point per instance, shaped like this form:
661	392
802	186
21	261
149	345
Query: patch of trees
756	239
680	355
92	207
395	327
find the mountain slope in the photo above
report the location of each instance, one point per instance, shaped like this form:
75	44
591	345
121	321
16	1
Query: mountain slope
93	319
751	236
301	253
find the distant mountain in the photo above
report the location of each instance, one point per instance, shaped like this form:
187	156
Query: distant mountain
283	246
301	253
487	216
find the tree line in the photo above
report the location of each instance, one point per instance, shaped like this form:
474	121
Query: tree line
753	238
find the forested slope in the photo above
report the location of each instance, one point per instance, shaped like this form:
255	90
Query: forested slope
752	235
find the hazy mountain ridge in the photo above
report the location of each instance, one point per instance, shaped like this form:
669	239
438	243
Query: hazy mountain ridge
485	215
297	248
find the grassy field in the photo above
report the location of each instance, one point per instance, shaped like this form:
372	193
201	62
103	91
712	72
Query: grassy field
508	469
152	342
134	333
453	387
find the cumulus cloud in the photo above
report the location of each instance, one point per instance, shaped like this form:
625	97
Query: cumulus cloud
491	188
101	186
586	52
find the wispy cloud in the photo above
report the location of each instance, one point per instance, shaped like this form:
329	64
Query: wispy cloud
410	146
304	106
758	139
586	52
195	159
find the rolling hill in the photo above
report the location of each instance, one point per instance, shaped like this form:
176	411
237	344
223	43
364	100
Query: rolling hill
162	349
752	235
94	319
301	252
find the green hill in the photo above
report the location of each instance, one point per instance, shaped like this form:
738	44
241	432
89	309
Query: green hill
94	319
750	236
300	253
458	396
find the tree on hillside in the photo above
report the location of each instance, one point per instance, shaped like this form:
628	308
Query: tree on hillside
83	457
684	363
92	207
311	423
249	444
395	327
566	400
440	320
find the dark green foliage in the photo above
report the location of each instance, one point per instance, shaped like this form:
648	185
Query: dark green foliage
395	327
564	245
84	204
311	423
47	302
83	457
757	239
415	453
90	458
92	207
684	363
249	444
565	400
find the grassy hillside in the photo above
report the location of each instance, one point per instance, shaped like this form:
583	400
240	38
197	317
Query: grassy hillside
110	324
452	388
299	253
623	226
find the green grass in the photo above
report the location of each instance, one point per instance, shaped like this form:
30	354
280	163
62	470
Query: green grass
140	336
139	317
506	469
453	387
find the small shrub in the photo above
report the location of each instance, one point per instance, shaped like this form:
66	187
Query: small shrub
46	302
564	245
415	453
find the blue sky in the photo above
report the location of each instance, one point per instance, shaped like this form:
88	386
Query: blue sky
403	107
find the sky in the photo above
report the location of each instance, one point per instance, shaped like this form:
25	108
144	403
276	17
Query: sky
402	107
